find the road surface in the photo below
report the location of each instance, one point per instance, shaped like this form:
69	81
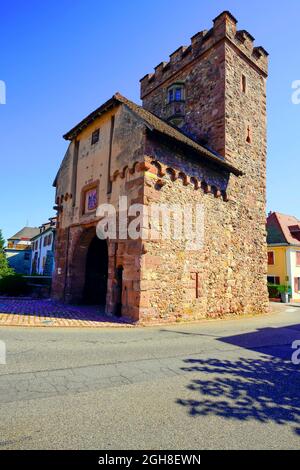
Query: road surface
211	385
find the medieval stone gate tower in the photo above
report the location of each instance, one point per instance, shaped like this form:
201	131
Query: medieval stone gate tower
200	137
222	81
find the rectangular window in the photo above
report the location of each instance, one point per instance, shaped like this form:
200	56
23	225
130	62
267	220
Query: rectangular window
178	94
90	200
271	258
95	136
298	258
244	84
274	280
297	285
171	95
195	277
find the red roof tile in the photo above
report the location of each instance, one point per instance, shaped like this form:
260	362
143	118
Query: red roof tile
288	225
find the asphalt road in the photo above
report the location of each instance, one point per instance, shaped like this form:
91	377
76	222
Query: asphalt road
212	385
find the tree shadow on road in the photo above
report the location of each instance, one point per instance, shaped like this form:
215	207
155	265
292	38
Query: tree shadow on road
265	388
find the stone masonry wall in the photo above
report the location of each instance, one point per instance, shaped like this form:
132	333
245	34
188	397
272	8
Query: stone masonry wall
221	278
232	267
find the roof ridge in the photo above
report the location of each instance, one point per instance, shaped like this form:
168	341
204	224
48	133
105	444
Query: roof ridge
185	138
286	215
117	95
154	123
284	227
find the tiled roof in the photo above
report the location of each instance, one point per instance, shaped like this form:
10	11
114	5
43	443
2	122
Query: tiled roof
154	123
26	233
283	229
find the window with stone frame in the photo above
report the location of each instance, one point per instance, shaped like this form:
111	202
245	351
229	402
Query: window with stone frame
90	199
176	93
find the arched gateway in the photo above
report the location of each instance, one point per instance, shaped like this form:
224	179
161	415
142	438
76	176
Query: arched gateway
88	270
96	273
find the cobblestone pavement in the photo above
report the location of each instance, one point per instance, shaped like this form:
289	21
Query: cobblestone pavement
47	313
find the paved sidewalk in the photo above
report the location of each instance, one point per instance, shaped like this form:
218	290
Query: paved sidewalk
46	313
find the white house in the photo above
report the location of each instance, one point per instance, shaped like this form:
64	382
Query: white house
42	246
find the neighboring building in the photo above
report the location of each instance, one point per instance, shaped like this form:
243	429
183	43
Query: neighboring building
284	251
199	138
18	251
42	260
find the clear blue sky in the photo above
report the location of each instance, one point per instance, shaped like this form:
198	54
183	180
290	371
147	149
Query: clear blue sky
62	59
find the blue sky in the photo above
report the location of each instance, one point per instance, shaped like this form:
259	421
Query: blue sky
62	59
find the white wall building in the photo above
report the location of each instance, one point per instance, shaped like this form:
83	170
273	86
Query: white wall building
42	245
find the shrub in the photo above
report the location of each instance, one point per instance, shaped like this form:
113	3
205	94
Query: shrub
284	289
14	285
273	291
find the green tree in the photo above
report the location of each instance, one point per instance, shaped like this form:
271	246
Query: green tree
5	270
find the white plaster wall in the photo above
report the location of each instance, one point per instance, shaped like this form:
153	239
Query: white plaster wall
293	270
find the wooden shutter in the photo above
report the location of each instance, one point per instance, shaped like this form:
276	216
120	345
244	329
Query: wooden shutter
270	257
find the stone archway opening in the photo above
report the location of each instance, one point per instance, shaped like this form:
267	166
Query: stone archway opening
88	270
96	273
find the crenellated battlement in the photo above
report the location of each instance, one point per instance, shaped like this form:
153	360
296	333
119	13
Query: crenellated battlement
224	29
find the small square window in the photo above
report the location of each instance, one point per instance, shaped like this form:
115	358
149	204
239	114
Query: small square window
95	136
